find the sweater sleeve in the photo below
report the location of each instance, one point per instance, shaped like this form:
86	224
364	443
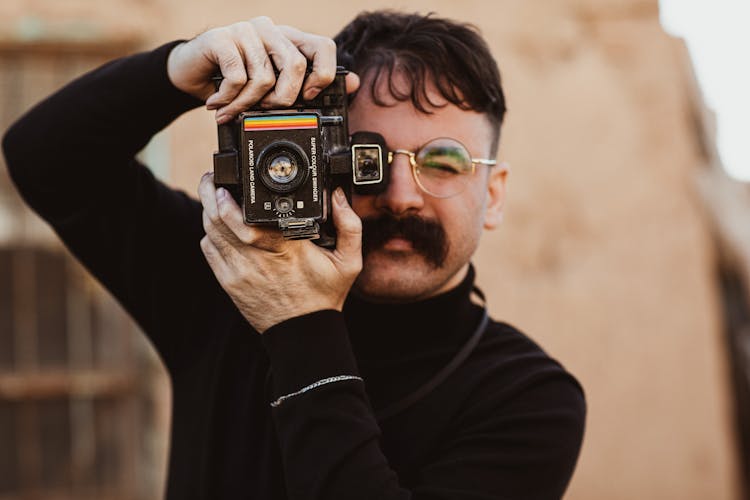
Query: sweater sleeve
328	436
72	160
524	448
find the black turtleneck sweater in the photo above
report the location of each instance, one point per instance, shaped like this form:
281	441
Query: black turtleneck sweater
507	424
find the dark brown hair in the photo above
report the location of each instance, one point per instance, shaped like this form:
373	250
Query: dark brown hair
426	49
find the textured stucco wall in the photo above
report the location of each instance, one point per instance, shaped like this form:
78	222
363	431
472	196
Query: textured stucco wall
605	256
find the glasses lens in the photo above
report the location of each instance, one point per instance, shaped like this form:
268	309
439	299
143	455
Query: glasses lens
442	167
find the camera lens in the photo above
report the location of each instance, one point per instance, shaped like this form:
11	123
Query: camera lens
282	169
283	166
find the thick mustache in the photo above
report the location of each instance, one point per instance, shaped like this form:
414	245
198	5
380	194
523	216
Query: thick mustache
426	236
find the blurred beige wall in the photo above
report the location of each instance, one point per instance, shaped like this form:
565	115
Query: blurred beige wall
605	257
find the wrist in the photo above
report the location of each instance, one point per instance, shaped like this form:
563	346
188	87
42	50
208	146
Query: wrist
266	319
308	348
173	70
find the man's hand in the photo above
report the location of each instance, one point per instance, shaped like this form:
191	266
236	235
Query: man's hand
271	279
243	53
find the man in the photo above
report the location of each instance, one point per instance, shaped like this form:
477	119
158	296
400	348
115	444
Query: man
299	372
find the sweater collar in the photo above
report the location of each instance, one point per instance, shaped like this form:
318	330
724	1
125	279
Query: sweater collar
396	331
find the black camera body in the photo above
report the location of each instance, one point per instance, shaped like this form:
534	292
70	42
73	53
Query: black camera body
282	165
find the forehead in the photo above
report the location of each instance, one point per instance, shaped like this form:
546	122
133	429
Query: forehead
404	126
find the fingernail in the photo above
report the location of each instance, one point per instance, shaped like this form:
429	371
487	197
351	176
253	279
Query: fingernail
220	119
221	193
338	196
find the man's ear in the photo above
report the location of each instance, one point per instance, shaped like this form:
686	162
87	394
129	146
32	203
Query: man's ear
498	177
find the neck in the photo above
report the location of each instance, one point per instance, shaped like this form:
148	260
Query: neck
386	330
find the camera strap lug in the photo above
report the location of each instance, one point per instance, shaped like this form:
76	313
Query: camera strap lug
331	121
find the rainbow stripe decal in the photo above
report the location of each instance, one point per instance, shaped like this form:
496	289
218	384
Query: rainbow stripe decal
280	122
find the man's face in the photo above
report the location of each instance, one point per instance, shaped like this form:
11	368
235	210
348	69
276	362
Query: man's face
400	268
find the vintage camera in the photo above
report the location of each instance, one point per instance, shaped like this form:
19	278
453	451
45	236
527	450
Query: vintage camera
282	165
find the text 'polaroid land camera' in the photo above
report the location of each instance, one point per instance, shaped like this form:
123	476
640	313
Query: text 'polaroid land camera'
282	165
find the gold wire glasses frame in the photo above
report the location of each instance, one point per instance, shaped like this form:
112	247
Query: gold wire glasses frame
442	166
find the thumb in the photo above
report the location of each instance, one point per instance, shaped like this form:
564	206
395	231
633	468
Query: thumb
352	82
348	227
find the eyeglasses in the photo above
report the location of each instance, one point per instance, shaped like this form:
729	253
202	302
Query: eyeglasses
442	167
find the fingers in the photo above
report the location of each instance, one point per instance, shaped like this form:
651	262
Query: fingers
321	51
222	217
289	61
230	214
207	195
223	49
257	70
231	217
214	224
224	223
348	230
352	82
215	260
246	54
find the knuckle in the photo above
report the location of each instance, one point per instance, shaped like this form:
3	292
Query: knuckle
243	273
236	77
220	38
201	188
285	100
326	75
247	236
233	280
242	27
265	80
356	268
213	34
261	20
351	223
213	220
225	213
355	226
205	244
298	63
327	44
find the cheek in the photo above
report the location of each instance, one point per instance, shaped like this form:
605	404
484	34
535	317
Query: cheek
479	201
460	222
464	219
